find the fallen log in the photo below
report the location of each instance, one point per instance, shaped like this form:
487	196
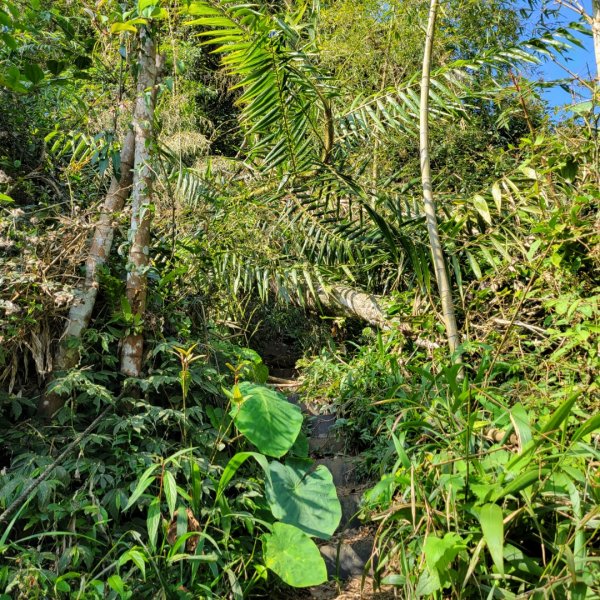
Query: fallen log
349	302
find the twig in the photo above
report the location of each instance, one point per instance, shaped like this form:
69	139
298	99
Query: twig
533	328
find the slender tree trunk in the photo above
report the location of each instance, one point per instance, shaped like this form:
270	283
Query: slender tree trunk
596	36
67	355
141	208
430	209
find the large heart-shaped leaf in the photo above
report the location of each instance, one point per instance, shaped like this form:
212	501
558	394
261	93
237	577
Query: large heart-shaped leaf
292	555
267	419
301	495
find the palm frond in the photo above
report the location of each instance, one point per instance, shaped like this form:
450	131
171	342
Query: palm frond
281	98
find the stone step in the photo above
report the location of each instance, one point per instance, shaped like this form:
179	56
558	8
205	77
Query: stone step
348	556
350	502
343	468
321	425
325	446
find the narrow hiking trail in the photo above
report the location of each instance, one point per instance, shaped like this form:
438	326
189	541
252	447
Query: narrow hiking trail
349	552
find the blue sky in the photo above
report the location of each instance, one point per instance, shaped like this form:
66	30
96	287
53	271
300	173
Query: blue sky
578	60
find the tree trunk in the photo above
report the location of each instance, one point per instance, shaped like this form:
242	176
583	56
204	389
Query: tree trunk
430	209
141	209
345	301
596	36
67	355
353	303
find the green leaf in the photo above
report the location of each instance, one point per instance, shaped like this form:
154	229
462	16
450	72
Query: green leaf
492	526
116	583
293	556
152	521
56	67
301	495
170	487
235	462
196	477
520	421
591	425
480	203
267	419
6	199
145	480
560	414
137	558
33	72
439	553
582	107
300	448
143	4
521	482
127	25
497	196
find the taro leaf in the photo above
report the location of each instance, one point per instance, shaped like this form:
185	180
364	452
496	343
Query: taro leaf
300	447
301	495
292	555
267	419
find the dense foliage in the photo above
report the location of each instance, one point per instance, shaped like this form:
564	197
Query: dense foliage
276	176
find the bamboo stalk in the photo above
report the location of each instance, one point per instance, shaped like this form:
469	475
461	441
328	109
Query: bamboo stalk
430	208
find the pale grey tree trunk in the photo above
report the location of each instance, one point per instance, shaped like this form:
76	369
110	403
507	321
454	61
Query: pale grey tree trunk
354	303
141	208
67	354
349	302
430	208
596	36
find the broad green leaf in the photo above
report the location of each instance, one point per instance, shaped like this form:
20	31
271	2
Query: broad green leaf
127	25
582	107
304	496
137	558
152	521
170	487
235	462
116	583
520	421
497	196
300	447
492	526
33	72
143	4
145	480
439	553
267	419
6	199
293	556
480	203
